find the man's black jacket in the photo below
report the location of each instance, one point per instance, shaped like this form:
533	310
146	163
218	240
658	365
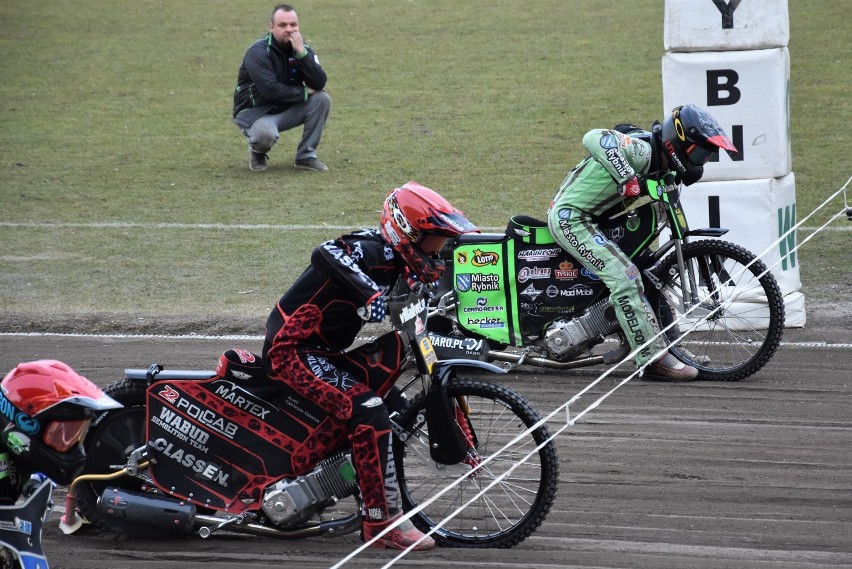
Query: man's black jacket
271	78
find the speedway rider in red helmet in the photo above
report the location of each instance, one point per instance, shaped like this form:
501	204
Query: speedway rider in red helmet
619	161
317	318
45	411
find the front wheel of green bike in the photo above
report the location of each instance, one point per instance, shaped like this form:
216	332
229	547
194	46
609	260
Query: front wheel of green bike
730	302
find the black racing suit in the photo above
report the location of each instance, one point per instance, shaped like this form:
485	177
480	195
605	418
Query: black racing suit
306	333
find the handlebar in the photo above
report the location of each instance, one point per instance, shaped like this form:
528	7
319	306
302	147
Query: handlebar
363	311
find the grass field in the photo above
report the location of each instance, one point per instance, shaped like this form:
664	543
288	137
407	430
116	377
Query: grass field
116	117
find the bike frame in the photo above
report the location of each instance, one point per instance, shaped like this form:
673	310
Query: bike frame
668	214
667	199
429	369
408	314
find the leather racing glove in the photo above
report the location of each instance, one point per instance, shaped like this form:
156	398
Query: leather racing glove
374	311
630	188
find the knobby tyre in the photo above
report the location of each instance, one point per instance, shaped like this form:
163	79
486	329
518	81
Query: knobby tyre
744	310
512	509
112	437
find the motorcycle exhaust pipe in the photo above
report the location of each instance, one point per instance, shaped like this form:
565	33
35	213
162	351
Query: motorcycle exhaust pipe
147	510
137	508
515	358
607	358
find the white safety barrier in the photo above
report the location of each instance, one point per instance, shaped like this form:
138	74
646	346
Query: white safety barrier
731	58
756	212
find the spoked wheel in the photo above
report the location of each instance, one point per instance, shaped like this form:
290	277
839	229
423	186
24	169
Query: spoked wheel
109	442
740	316
510	510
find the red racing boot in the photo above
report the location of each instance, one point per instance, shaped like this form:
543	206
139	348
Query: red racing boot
400	537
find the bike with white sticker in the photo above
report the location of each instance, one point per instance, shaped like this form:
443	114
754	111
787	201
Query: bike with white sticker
203	452
21	524
518	298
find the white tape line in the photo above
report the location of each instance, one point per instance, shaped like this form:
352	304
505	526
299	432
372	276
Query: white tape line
132	336
246	338
142	225
250	227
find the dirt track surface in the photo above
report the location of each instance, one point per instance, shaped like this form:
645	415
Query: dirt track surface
755	474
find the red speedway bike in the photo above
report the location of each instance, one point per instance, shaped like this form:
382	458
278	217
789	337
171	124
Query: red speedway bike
196	452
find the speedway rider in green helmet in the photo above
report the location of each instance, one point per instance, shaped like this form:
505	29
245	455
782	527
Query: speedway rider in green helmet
616	168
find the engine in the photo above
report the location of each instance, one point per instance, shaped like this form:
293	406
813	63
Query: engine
290	502
566	337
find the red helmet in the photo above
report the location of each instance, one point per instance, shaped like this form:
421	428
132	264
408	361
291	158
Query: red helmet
48	407
691	137
417	222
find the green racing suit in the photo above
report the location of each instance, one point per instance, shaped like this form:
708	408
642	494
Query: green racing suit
588	190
